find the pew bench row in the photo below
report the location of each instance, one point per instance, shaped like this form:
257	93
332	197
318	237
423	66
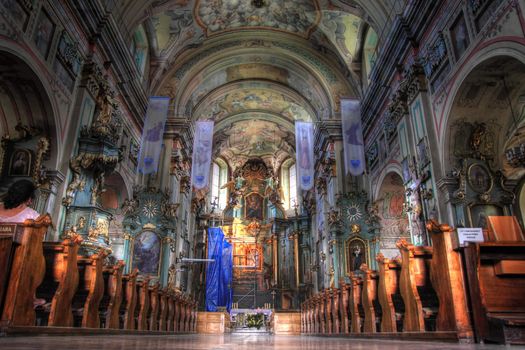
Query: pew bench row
81	291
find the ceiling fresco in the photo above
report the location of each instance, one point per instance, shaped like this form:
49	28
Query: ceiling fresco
253	96
343	31
254	135
295	16
256	66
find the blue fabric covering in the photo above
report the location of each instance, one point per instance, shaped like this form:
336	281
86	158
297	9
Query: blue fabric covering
226	290
219	272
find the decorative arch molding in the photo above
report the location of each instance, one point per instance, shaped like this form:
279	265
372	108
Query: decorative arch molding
395	168
496	48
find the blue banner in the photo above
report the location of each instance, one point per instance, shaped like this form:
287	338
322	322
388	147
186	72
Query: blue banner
304	151
219	272
353	137
152	134
202	148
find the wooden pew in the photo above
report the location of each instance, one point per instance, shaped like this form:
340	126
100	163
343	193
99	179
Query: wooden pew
446	274
414	281
310	316
170	325
335	311
91	288
61	313
344	291
303	315
129	303
387	287
154	308
24	268
368	298
322	313
187	314
354	302
194	313
496	280
53	255
163	313
116	295
142	311
328	311
317	314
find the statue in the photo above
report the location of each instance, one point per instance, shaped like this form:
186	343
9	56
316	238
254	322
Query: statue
357	257
130	206
239	182
267	275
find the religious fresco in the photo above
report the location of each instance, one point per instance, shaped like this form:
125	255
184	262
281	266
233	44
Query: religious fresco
392	214
146	253
255	98
253	138
343	31
268	67
295	16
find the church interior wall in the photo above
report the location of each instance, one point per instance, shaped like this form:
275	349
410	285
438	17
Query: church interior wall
442	102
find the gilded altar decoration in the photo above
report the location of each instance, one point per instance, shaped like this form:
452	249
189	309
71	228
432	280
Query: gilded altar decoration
353	212
150	209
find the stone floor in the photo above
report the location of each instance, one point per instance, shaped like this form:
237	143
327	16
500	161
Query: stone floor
214	342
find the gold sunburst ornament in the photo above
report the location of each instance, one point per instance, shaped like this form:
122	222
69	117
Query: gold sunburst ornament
353	213
150	208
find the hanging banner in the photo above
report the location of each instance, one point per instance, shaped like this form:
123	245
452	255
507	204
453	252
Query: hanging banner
152	134
202	147
304	146
353	137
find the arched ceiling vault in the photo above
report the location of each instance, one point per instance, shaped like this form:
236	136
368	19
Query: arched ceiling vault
253	67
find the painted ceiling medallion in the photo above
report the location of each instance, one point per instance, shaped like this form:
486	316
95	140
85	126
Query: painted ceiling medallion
295	16
150	208
258	3
353	212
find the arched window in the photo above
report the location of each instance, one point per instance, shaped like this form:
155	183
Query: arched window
369	52
289	184
219	178
293	186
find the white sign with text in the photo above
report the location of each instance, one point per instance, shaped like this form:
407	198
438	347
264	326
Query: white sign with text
471	234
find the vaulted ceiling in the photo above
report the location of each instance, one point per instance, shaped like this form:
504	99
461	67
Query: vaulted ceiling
273	61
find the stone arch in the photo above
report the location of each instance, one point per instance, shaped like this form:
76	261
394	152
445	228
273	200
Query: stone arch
506	49
26	100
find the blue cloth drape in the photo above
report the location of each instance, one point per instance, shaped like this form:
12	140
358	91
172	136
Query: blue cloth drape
226	290
219	272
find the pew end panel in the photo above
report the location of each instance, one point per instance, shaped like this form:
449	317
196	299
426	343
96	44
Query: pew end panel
26	273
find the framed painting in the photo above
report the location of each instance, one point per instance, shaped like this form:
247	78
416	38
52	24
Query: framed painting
254	208
147	253
459	36
17	11
43	34
479	178
20	163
